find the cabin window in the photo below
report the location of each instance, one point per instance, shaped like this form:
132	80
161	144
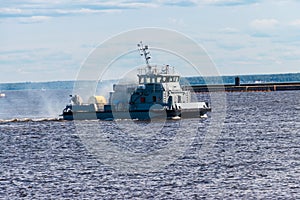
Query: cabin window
179	99
143	99
142	80
154	98
158	79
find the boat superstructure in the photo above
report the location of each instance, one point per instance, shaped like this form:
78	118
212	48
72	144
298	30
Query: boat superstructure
158	94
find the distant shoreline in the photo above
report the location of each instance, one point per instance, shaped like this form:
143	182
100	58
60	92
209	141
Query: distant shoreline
197	80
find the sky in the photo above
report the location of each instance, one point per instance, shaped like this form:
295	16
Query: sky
50	40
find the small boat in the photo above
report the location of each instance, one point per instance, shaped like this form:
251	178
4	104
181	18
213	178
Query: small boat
158	95
2	94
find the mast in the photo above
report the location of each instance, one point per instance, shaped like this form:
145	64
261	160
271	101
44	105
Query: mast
145	52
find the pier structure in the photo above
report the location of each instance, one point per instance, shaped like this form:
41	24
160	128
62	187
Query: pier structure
255	87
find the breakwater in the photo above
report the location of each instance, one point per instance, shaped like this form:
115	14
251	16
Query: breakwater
255	87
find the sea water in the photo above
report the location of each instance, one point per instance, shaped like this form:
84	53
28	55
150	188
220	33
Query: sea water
255	155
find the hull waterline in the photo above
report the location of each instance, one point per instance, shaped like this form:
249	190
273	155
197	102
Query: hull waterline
136	115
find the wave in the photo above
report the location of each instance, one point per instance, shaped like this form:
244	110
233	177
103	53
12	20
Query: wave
29	120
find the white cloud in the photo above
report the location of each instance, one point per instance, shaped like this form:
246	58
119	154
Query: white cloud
289	53
115	5
229	30
85	11
230	2
295	23
34	19
10	11
28	11
262	24
56	8
179	3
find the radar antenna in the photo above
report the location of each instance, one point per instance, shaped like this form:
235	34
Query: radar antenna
145	52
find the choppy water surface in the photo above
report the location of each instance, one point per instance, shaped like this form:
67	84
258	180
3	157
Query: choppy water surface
257	155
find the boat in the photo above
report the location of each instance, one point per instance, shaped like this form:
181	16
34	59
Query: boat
2	94
158	95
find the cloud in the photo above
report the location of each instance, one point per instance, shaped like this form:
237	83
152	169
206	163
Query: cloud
230	46
179	3
34	19
58	8
84	11
116	5
229	30
261	35
37	64
231	2
263	24
295	23
33	11
291	55
30	56
9	11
